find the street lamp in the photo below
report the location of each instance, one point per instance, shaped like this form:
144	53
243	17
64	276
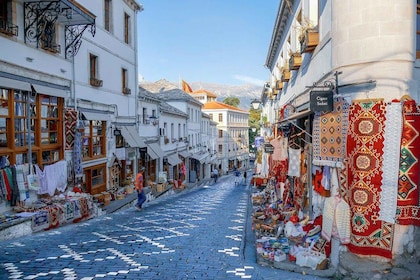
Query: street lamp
255	104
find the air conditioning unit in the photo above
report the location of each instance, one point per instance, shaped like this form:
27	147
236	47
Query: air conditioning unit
95	82
126	90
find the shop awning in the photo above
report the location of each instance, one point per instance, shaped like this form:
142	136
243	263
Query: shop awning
154	151
184	154
96	116
173	160
200	157
131	136
18	82
295	116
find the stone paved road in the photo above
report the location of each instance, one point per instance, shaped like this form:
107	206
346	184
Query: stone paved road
197	234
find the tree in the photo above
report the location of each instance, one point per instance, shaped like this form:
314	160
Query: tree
233	101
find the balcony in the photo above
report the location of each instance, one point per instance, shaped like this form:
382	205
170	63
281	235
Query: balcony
96	82
126	91
8	28
51	47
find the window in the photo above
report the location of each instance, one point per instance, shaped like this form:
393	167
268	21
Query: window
144	116
6	25
93	64
418	31
45	129
220	133
220	117
211	116
124	78
49	120
107	15
95	179
47	38
220	148
93	140
126	28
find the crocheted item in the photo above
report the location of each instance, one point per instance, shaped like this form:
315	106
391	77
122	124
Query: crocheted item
294	162
390	169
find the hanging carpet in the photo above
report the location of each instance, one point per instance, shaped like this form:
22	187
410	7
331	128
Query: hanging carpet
408	182
70	120
365	142
329	135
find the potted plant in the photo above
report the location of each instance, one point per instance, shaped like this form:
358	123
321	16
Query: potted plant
308	36
285	72
295	60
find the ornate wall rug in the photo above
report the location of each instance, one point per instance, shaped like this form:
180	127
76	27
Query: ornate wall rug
370	236
329	135
70	120
409	178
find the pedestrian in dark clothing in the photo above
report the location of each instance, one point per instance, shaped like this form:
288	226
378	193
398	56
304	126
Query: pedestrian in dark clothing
244	178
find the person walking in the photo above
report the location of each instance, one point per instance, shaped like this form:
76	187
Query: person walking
215	174
237	179
244	178
139	184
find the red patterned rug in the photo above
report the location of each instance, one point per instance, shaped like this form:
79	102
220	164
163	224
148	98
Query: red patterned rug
408	182
370	236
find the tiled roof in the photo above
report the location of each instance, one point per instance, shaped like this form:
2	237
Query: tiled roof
165	107
203	91
219	106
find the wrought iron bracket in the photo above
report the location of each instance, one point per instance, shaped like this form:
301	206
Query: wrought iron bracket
41	18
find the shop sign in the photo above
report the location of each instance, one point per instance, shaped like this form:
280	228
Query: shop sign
259	140
143	152
117	132
268	148
321	101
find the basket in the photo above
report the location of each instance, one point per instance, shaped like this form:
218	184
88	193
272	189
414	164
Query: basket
129	189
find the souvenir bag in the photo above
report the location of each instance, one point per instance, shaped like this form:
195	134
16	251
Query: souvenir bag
33	182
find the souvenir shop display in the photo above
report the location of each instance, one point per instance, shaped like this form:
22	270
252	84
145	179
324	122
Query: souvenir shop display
42	196
338	180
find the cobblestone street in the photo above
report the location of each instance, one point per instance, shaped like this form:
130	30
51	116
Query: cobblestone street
197	234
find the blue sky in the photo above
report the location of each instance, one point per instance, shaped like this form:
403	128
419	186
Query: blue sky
215	41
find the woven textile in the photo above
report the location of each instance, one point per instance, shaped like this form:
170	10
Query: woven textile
370	236
408	182
70	121
390	169
69	211
40	221
329	135
77	155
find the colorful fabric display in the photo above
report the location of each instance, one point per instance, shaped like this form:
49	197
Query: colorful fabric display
365	142
329	135
408	205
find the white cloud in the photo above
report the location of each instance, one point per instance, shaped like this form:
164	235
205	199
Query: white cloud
249	80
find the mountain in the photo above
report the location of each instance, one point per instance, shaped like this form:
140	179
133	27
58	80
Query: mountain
245	93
